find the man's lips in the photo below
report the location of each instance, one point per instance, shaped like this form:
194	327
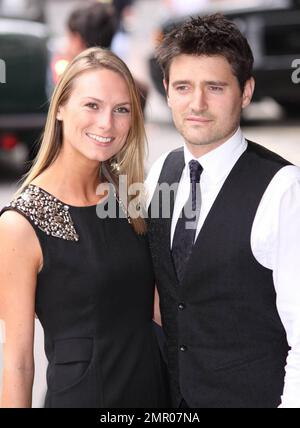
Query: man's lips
198	119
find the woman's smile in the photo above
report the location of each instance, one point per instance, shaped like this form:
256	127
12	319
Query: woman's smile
100	140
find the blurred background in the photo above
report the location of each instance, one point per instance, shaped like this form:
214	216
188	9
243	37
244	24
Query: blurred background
35	46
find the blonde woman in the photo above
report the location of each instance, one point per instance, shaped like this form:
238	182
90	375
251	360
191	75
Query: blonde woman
88	278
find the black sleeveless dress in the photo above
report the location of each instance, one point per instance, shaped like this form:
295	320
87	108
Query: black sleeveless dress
94	299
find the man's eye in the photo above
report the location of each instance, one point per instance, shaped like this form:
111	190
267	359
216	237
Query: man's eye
123	110
216	88
93	106
182	88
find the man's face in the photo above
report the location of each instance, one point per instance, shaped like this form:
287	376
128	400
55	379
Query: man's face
205	100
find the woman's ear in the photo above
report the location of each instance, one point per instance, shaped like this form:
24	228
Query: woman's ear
58	114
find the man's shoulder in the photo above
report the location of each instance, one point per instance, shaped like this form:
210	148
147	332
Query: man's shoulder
266	155
286	178
286	175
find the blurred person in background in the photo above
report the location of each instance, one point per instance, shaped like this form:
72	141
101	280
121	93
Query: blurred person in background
96	25
121	41
88	278
89	26
226	252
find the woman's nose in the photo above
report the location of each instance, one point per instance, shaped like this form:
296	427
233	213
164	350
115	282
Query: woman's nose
105	119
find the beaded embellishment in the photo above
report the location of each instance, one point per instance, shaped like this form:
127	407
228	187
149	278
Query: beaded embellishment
47	213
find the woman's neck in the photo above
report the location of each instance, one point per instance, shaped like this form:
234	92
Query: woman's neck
72	179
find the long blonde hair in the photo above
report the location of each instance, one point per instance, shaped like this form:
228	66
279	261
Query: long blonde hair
130	159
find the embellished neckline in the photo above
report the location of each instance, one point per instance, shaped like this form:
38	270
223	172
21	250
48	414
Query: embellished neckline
50	214
46	212
34	186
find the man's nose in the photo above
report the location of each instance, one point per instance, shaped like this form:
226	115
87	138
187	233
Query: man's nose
199	100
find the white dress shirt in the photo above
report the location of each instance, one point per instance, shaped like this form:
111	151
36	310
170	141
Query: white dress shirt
275	235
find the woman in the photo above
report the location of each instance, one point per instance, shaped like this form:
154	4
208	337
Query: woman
88	279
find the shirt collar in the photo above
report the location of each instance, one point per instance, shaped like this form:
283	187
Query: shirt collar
217	163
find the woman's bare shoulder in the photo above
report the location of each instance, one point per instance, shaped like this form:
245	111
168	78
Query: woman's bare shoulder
13	224
18	240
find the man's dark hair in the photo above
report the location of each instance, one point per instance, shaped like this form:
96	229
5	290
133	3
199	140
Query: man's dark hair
208	35
120	5
96	24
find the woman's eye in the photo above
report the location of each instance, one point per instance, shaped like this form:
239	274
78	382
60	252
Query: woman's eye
122	110
93	106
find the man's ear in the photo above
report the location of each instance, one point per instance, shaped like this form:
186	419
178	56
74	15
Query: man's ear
166	86
248	92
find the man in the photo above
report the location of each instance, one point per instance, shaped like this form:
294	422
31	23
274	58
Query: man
226	256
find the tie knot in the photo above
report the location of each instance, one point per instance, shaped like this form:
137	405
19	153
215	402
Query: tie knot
195	171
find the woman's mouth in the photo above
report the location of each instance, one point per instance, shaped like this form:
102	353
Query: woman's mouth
100	140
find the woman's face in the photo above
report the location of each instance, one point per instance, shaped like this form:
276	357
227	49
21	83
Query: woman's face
97	116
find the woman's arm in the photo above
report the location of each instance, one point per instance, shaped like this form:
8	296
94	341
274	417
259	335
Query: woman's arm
21	260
